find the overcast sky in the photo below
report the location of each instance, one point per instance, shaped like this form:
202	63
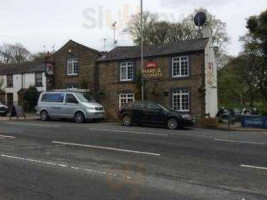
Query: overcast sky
39	23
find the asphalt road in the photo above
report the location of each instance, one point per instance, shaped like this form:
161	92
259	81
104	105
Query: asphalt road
64	160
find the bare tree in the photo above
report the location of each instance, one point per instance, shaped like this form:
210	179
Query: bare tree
161	32
218	27
39	56
134	27
14	53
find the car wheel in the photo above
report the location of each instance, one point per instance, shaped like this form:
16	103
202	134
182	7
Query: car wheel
172	123
79	117
127	120
44	115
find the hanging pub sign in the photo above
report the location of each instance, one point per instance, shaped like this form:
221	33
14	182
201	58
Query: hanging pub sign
152	71
49	68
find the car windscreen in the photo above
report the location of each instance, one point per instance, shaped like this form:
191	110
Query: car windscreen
85	97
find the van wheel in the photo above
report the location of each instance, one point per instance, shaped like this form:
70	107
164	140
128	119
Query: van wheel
44	115
172	124
127	120
79	117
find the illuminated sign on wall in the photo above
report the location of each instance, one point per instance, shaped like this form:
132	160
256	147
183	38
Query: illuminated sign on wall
152	71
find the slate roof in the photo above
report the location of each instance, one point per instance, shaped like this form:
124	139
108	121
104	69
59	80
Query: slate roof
76	43
27	67
130	52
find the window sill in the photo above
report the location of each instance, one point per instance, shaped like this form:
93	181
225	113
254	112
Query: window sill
180	77
126	81
72	75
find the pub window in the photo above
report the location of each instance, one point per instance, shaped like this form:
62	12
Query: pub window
125	98
9	81
72	67
126	71
180	66
38	79
71	86
180	100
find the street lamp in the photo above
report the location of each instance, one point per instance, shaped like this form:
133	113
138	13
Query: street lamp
142	52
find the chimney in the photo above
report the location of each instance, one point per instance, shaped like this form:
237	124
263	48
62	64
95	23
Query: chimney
206	31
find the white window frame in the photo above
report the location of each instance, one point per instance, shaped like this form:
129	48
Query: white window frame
39	79
11	85
125	66
179	61
128	97
181	93
69	87
71	66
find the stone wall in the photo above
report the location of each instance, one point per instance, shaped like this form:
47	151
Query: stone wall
160	91
87	66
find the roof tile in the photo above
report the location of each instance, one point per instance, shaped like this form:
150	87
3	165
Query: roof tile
130	52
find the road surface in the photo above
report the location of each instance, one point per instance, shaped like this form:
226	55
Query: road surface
63	160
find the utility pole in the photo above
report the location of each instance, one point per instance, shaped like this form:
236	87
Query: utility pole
114	27
142	52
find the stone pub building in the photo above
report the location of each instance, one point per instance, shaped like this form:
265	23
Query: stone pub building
181	76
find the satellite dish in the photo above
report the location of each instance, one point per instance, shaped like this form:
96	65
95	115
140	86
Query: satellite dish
200	19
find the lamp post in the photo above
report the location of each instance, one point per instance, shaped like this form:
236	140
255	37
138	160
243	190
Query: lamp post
142	52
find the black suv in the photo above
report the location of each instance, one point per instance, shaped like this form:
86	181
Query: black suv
153	113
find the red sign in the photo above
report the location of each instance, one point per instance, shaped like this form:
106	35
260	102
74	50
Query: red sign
151	65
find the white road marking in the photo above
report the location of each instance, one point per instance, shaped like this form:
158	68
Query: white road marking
30	124
134	132
65	166
32	160
106	148
7	136
242	142
254	167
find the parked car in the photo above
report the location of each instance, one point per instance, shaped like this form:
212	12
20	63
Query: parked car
3	110
153	113
72	105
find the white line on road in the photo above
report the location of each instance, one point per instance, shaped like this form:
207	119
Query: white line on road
135	132
106	148
30	124
32	160
242	142
254	167
7	136
65	166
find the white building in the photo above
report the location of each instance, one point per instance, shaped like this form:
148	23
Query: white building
19	77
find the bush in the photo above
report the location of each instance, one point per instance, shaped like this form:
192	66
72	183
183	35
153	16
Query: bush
263	109
31	98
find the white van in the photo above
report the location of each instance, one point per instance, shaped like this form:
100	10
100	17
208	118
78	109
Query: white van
71	105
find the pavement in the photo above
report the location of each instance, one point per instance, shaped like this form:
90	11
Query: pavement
65	160
237	127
